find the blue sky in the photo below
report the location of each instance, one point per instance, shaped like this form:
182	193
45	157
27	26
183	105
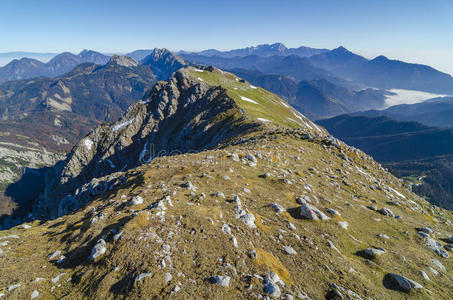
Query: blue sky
414	31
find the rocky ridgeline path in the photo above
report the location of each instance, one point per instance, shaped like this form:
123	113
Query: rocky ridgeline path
284	215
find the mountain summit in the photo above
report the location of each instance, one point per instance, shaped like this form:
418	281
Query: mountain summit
210	187
195	110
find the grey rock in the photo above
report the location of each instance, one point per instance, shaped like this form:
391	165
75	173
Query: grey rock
426	230
333	212
438	265
434	271
137	200
402	283
54	255
226	228
272	289
249	220
383	236
57	278
386	212
221	280
142	276
251	157
277	207
189	185
98	249
373	252
289	250
423	275
266	175
312	213
34	294
343	224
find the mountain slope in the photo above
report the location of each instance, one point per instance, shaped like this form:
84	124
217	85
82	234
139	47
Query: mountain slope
210	224
42	118
422	155
316	99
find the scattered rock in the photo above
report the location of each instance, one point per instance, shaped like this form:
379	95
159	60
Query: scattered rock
438	265
13	287
137	200
219	194
277	207
226	228
142	276
383	236
272	289
266	175
426	230
221	280
249	220
312	213
189	186
303	199
423	275
251	157
34	294
373	252
401	283
57	278
235	241
333	212
54	255
343	224
289	250
98	249
386	212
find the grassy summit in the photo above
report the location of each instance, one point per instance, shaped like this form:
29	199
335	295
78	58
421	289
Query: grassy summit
257	103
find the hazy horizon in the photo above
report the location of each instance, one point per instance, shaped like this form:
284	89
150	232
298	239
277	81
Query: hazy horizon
397	29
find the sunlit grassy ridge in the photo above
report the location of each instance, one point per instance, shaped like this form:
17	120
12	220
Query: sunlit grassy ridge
199	248
257	103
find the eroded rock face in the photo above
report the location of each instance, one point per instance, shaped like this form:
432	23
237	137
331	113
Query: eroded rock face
179	116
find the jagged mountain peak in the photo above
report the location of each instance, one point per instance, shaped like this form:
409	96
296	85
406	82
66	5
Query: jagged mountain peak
163	63
124	61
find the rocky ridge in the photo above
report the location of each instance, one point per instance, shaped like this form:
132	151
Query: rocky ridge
186	114
281	209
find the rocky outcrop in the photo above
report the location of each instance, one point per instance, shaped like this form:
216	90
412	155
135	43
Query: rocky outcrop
178	116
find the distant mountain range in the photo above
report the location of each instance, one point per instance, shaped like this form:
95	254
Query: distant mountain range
382	72
7	57
318	98
434	112
409	149
264	50
26	68
339	66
